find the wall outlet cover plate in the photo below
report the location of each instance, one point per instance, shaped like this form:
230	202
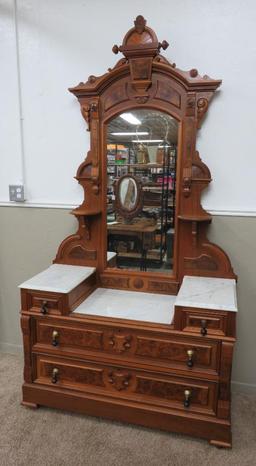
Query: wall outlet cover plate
16	193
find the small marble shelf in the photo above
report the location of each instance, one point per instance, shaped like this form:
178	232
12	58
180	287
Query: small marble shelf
208	293
111	255
59	278
134	305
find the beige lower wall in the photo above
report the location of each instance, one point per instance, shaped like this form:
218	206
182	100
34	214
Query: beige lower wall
29	238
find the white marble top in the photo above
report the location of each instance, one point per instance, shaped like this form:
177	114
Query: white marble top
110	255
59	278
133	305
208	293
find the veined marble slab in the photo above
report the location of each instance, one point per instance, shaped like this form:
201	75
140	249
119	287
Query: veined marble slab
111	255
208	293
59	278
133	305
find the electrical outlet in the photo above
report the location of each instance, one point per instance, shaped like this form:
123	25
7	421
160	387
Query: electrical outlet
16	192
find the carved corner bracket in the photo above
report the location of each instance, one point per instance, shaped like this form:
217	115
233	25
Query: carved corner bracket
87	111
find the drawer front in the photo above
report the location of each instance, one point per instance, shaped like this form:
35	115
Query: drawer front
204	322
122	382
42	302
186	353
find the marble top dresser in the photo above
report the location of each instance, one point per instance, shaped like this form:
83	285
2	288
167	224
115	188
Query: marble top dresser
153	353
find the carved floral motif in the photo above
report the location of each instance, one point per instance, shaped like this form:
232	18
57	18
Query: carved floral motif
120	379
120	343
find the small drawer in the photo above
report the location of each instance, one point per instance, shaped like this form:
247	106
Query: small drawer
43	302
150	388
204	321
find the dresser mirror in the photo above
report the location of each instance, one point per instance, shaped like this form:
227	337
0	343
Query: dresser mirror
141	186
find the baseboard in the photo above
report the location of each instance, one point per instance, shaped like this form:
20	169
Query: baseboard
229	212
11	349
244	387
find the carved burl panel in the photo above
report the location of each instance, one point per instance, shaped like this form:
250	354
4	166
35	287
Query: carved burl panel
68	336
204	355
68	373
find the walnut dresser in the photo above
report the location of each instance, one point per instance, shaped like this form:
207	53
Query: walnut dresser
140	334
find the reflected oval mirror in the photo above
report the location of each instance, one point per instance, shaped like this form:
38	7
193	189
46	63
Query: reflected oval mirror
127	192
128	197
141	156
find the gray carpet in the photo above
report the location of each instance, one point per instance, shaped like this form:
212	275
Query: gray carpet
48	437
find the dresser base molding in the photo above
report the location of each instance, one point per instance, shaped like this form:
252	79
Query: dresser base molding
216	431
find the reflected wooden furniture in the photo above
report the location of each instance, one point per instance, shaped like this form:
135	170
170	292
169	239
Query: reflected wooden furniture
140	230
172	373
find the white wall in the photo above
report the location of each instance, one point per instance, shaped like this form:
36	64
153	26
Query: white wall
58	43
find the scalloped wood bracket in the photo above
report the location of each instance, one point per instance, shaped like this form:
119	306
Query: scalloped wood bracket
78	249
200	257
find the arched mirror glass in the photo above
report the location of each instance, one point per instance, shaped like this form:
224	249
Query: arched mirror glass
141	185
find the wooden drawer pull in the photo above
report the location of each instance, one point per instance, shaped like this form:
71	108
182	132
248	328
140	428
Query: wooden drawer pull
190	361
44	308
55	374
203	327
187	394
55	338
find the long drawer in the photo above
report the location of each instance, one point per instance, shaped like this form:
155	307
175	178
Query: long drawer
165	350
186	394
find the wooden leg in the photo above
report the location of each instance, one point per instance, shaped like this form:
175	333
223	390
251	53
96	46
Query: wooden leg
27	404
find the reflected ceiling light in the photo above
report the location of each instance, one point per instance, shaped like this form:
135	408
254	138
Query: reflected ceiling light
147	140
130	118
132	133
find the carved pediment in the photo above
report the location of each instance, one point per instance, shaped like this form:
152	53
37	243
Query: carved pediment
140	46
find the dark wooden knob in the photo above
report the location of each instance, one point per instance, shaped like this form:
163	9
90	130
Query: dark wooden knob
55	374
187	395
190	361
115	49
55	338
44	307
203	327
164	45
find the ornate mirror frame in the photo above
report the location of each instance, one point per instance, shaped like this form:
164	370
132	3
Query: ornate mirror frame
144	78
119	208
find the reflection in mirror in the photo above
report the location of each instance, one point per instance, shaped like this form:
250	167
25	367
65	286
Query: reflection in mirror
127	192
141	174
